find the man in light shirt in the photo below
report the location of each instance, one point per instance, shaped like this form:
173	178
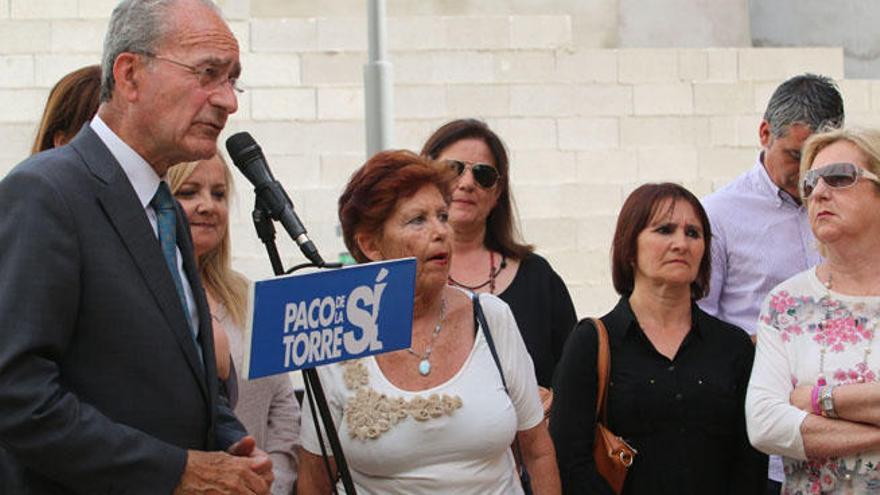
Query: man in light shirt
761	235
108	381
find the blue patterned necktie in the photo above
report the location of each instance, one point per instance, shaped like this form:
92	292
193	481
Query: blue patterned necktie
166	220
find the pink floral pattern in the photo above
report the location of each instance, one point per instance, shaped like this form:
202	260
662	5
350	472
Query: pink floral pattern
829	476
859	374
821	323
827	321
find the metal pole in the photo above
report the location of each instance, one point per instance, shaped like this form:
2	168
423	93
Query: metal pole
378	83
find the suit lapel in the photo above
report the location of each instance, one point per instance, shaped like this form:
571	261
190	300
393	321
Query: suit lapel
206	325
126	214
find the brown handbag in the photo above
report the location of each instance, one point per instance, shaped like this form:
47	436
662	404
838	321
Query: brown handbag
613	456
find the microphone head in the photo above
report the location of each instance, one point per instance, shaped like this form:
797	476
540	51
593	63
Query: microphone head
245	152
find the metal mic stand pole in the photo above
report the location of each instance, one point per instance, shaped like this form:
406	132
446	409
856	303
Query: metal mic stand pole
266	232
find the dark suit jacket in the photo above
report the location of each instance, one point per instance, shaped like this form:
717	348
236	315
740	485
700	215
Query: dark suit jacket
101	386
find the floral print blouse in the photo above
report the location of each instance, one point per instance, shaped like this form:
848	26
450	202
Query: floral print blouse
806	333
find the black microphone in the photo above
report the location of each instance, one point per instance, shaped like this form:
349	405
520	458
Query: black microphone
248	157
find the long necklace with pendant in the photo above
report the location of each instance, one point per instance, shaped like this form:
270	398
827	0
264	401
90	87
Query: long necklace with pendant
425	360
826	303
847	475
843	473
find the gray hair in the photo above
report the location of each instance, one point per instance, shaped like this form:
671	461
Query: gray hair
806	99
136	26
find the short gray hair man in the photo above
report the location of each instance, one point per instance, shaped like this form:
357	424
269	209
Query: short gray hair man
136	26
807	99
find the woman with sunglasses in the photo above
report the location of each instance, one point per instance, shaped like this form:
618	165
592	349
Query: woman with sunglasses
813	393
488	255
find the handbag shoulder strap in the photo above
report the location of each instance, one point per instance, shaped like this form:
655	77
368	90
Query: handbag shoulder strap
480	322
603	369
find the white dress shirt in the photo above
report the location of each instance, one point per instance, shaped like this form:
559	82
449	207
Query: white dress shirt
145	181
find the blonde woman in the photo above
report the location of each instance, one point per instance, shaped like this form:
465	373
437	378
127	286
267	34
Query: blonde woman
267	407
813	393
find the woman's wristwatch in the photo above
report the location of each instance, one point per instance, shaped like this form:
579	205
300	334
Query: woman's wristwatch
826	401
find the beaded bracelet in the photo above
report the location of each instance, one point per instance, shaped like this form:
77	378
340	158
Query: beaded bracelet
814	400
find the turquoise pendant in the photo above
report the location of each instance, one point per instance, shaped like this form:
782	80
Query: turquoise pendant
424	367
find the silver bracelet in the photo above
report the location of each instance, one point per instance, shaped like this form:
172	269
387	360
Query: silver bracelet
826	400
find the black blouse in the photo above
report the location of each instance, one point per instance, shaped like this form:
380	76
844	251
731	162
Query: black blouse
543	311
685	416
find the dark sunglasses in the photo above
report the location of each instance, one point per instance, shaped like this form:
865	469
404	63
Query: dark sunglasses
835	176
484	174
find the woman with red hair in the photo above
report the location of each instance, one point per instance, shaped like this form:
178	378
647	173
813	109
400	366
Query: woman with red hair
437	417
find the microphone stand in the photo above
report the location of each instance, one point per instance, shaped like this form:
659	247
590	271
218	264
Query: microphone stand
266	232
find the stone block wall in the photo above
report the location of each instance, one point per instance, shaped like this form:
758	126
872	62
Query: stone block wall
584	126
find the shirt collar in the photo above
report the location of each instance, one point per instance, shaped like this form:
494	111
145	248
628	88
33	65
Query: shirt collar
141	175
623	318
764	184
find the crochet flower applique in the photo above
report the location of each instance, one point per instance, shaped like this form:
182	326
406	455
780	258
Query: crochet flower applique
370	413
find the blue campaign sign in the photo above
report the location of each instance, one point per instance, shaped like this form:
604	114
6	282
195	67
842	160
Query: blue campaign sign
303	321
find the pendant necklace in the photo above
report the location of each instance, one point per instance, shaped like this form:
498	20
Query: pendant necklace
493	272
821	381
425	360
843	473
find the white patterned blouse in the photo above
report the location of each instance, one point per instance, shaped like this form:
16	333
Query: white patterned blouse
807	334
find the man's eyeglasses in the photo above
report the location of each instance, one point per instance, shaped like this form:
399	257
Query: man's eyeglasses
210	76
485	175
835	176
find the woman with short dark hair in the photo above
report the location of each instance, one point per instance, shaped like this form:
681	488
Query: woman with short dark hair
678	376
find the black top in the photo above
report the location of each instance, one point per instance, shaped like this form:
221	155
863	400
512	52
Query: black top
685	417
543	311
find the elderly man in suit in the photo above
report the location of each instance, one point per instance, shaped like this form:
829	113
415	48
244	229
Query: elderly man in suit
107	376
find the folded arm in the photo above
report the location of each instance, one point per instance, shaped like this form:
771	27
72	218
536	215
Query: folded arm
778	417
856	430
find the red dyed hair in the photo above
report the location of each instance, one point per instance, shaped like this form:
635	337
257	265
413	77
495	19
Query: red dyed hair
374	190
638	210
